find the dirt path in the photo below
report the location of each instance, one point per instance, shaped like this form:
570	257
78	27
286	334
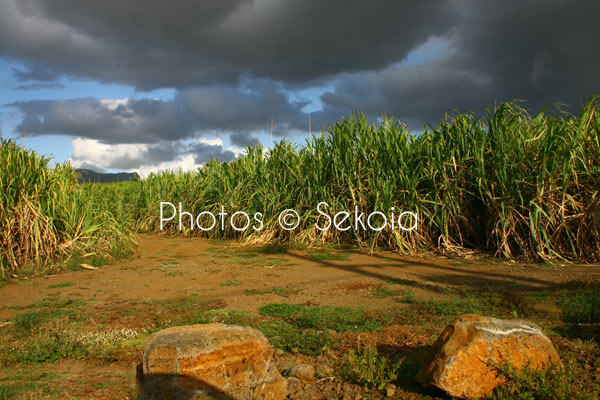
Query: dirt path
175	280
168	267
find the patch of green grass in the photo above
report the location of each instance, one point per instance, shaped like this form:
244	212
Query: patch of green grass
274	248
48	345
554	382
272	261
583	307
232	317
322	255
43	311
6	392
230	283
61	285
409	298
62	341
28	283
459	264
52	303
366	367
287	336
457	307
27	320
546	265
284	292
340	319
383	293
538	296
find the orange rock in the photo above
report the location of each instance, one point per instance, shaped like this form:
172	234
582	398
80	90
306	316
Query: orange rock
461	360
210	362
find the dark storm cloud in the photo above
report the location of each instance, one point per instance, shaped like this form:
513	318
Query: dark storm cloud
413	94
242	140
143	156
193	112
203	152
36	73
540	51
229	60
135	121
165	44
242	110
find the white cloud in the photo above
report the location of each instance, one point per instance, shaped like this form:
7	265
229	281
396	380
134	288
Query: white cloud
185	163
107	156
147	158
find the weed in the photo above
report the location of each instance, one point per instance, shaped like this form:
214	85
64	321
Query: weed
289	337
61	285
409	298
47	309
59	341
554	382
366	367
233	317
581	307
327	255
283	292
230	283
538	296
6	392
273	248
340	319
27	320
455	307
383	293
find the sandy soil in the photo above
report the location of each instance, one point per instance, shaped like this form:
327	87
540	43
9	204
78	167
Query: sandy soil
237	277
168	267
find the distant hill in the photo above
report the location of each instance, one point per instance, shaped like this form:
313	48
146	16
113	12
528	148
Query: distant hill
87	175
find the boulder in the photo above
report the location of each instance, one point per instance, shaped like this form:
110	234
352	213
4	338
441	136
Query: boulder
461	362
214	361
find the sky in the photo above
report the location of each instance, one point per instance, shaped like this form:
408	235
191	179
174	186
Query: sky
144	85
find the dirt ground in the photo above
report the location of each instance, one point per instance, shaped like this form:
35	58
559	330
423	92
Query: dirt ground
170	278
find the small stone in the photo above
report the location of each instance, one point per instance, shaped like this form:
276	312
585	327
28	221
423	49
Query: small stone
390	390
347	397
279	352
295	350
292	381
305	372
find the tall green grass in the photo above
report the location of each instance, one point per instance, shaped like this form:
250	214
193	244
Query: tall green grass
45	216
515	184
